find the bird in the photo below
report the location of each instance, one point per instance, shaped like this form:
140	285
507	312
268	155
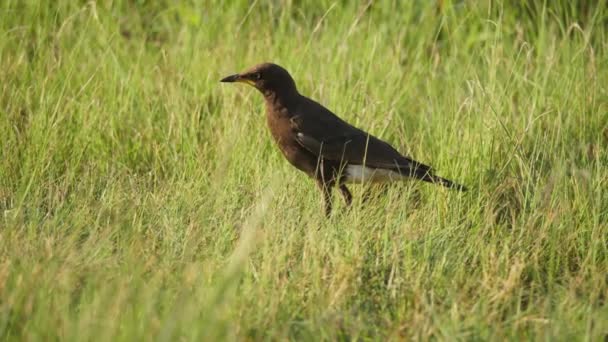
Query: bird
325	147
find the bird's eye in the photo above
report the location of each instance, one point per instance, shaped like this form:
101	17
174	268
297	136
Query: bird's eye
256	76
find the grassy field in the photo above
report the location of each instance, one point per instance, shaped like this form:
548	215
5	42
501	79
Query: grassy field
140	199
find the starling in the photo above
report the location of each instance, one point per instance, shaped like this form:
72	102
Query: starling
325	147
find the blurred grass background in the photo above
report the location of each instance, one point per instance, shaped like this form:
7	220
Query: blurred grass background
143	200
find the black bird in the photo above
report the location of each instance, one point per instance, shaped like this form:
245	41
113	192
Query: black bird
325	147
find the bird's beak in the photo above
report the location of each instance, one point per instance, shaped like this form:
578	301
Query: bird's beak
231	78
237	78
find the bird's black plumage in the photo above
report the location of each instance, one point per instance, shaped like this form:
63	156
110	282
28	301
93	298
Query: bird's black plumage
318	142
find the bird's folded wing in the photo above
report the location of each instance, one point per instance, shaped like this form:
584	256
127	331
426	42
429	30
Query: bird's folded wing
360	148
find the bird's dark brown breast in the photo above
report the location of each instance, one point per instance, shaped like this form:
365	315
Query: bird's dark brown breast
281	124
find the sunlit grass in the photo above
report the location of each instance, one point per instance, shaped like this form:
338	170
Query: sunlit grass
140	198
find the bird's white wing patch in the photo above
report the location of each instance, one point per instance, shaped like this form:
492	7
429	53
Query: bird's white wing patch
360	173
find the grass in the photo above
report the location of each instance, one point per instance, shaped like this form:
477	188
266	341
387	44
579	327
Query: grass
140	199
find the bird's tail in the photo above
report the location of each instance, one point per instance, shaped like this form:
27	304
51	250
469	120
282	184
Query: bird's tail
431	178
425	173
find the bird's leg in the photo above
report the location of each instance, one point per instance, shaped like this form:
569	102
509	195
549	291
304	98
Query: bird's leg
367	195
348	197
374	191
326	190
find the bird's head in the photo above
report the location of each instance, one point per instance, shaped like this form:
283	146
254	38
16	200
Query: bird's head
268	78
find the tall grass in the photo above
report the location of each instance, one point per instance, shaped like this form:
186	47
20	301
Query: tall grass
141	199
